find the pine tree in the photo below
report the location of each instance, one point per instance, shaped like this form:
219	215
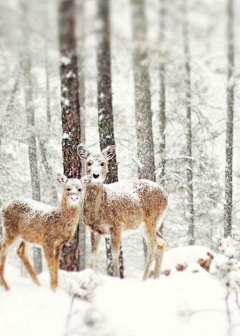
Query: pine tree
70	115
145	146
105	111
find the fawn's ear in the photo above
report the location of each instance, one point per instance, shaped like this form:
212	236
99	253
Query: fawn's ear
86	179
61	178
109	152
82	150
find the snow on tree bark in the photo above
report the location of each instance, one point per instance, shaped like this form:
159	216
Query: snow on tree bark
25	60
70	259
230	122
105	111
189	163
145	146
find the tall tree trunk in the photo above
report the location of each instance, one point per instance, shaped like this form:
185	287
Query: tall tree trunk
105	112
82	91
70	259
189	162
142	93
230	123
145	145
162	112
25	59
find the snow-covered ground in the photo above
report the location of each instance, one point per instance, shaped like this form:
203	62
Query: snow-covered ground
191	302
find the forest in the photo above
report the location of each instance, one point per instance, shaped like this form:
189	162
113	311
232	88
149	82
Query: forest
160	81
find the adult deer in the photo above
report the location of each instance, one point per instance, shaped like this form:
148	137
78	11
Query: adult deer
113	208
41	224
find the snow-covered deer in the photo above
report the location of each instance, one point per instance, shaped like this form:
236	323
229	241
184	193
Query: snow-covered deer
44	225
113	208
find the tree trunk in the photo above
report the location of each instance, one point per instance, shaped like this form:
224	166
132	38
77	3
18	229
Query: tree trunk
143	111
81	18
105	112
25	59
70	259
145	146
230	123
162	112
189	163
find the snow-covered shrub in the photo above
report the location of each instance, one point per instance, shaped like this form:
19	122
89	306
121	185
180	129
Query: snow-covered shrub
225	265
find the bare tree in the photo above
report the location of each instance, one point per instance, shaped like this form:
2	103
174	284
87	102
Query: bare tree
230	122
70	115
189	162
105	111
142	92
25	59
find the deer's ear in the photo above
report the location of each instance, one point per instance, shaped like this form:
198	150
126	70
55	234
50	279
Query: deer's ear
83	152
109	152
86	179
61	178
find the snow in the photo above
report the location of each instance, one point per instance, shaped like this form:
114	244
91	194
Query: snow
184	304
184	256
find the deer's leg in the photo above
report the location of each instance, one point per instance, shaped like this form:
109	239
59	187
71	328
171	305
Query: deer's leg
159	254
116	242
56	267
50	257
23	256
3	257
151	241
95	241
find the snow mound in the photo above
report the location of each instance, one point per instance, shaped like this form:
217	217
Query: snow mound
179	258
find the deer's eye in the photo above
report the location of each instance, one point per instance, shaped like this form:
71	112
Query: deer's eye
102	164
68	189
79	189
89	164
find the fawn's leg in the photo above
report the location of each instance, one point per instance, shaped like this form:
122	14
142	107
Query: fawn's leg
116	242
159	254
95	241
151	241
3	257
21	251
50	257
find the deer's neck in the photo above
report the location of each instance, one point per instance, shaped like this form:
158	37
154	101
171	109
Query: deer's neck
71	213
93	204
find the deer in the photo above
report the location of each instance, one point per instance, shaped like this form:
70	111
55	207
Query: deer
37	223
110	209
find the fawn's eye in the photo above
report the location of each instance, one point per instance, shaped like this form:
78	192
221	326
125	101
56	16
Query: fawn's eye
79	189
89	164
68	189
102	164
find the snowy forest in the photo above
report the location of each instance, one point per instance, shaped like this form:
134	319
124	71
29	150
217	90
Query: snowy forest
160	80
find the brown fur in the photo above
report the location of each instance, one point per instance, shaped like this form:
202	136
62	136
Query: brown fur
110	209
27	220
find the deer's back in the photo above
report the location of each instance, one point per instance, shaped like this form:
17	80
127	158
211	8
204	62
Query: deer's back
27	218
133	202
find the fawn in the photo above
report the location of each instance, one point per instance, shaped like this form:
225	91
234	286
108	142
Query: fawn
113	208
41	224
